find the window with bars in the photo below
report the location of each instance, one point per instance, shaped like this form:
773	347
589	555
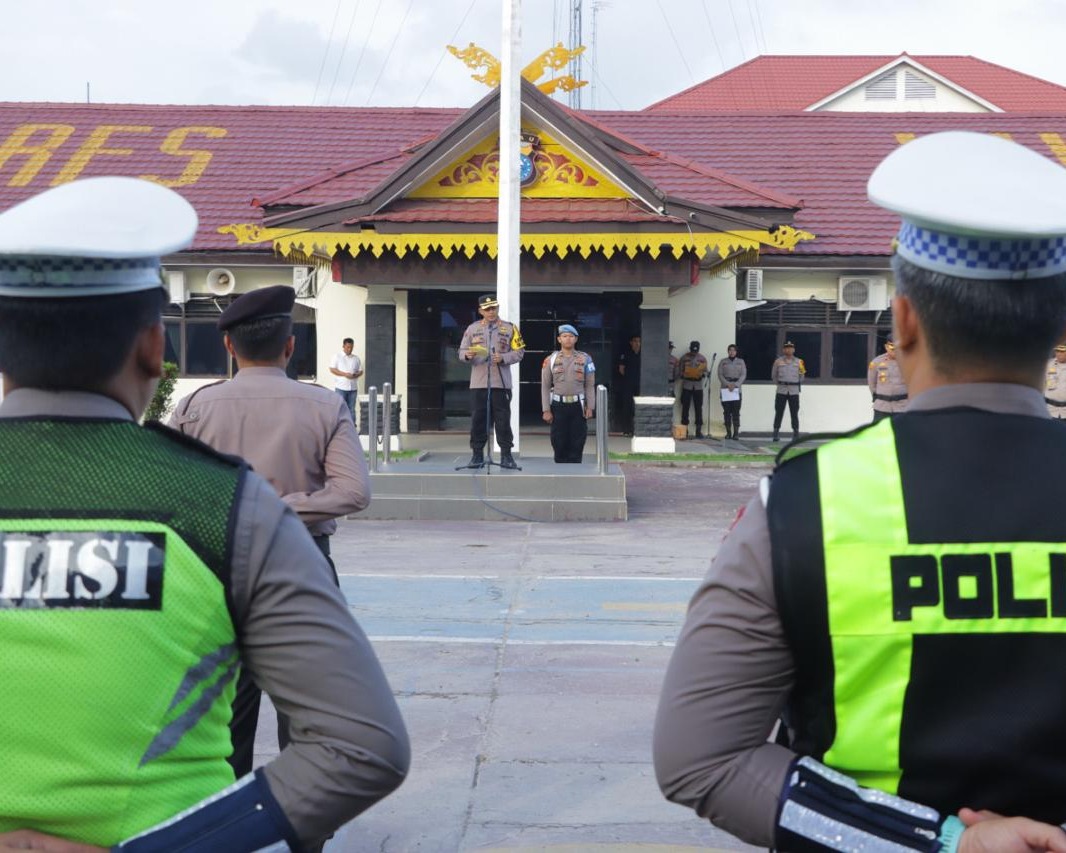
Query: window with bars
194	343
836	346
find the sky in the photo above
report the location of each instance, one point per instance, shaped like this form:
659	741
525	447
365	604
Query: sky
393	52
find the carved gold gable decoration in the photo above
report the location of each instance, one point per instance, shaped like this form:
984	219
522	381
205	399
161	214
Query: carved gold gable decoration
556	174
553	58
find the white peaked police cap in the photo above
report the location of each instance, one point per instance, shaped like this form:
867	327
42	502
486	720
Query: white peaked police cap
93	237
975	206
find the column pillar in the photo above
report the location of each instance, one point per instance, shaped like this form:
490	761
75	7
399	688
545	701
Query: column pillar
652	429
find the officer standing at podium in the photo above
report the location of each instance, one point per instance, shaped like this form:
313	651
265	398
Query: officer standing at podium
567	395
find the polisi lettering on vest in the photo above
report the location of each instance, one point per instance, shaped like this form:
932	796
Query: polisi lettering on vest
972	586
67	569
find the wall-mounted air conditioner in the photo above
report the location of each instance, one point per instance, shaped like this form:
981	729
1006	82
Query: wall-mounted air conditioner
753	285
862	293
176	287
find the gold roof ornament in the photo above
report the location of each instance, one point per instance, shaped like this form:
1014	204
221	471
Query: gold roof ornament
552	59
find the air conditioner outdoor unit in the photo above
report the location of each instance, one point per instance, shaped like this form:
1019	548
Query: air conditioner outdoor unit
303	281
220	282
862	293
753	285
176	287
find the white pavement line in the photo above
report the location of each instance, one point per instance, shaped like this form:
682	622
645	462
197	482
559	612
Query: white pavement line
516	577
498	641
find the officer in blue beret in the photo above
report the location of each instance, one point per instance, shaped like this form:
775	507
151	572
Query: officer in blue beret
568	395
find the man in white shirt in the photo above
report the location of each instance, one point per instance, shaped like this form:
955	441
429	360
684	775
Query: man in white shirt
347	368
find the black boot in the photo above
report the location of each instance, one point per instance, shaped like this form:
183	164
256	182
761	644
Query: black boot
477	458
506	459
795	435
776	439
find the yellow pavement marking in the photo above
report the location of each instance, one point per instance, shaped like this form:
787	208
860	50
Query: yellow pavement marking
679	606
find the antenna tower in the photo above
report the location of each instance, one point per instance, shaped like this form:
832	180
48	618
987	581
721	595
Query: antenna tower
575	43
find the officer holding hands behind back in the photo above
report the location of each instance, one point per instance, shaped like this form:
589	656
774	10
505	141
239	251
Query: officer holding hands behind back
141	571
916	642
568	395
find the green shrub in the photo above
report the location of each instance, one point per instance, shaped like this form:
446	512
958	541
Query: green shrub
161	405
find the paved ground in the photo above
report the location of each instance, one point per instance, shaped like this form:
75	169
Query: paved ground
527	660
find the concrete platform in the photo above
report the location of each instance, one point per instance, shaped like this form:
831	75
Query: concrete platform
432	489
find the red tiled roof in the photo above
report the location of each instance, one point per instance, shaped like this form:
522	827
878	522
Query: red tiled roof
485	210
824	158
251	151
796	82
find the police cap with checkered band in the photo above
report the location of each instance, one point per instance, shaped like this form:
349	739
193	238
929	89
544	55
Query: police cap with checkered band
94	237
975	206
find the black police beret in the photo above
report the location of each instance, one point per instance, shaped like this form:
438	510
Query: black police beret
262	304
487	301
694	346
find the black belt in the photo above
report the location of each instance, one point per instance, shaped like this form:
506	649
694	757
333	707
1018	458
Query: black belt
892	398
789	383
1055	402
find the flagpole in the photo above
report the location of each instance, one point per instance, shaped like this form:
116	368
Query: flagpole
508	227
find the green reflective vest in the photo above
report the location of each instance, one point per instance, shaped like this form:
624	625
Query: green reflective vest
119	651
930	647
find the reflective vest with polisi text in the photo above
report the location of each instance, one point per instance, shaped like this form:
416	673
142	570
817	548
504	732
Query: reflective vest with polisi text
119	649
920	573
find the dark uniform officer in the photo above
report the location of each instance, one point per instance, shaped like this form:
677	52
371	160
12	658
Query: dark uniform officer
299	436
629	384
886	383
692	368
139	570
788	372
568	396
732	371
1055	384
671	371
910	619
491	345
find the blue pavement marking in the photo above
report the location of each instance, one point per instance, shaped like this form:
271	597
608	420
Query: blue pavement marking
525	610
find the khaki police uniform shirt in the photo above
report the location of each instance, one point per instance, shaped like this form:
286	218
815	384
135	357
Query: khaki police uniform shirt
501	337
886	380
732	371
693	361
300	643
299	437
732	671
568	376
1055	389
788	374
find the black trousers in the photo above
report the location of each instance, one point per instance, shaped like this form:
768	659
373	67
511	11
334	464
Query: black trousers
731	413
569	430
793	402
693	395
627	409
500	401
246	704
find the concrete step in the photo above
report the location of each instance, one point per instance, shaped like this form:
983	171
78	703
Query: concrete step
432	489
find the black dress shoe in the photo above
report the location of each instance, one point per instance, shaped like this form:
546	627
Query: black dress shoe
507	460
477	459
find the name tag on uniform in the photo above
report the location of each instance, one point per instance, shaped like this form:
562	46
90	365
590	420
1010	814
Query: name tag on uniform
83	569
